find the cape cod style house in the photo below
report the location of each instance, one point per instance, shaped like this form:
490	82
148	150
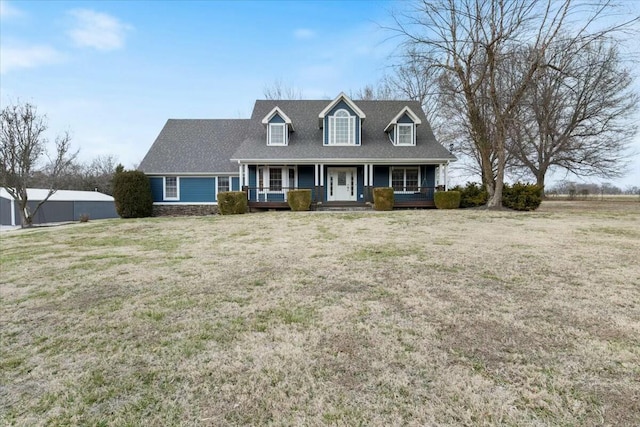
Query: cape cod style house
340	149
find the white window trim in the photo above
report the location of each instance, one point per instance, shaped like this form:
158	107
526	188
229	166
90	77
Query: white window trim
164	188
286	185
397	134
218	184
351	130
285	133
404	178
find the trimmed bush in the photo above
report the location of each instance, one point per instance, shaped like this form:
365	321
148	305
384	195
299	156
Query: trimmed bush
472	195
383	198
132	194
521	197
447	199
232	202
299	200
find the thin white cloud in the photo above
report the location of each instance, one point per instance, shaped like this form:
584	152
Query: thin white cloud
97	30
304	33
7	10
16	57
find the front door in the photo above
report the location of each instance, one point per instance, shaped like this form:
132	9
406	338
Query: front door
343	184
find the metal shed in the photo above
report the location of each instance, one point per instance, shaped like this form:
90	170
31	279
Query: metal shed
62	206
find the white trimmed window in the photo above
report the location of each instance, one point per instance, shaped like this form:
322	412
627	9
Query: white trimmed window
405	134
342	128
405	179
277	134
223	184
171	188
276	179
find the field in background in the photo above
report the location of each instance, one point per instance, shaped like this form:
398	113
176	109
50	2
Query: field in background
461	317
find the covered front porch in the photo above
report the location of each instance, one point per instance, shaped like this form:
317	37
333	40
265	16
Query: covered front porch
342	185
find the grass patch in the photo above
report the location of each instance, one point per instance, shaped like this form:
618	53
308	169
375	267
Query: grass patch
422	317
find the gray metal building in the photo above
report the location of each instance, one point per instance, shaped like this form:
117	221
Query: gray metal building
62	206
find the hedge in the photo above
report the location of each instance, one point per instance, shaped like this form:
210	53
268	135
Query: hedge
383	198
232	202
521	197
447	199
299	200
472	195
132	194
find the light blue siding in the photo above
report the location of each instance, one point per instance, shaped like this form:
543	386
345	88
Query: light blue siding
200	190
235	184
156	188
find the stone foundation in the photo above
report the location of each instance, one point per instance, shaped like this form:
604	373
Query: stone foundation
184	210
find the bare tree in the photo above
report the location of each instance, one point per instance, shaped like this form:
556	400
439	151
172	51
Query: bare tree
23	145
577	113
278	90
472	42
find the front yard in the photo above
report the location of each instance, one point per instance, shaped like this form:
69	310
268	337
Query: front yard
423	317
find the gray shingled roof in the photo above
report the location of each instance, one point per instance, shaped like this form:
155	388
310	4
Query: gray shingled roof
207	146
306	141
195	146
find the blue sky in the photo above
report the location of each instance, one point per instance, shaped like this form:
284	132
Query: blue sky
113	72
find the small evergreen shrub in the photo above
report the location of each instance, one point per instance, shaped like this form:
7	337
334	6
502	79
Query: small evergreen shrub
472	195
84	218
232	202
299	200
383	198
132	194
447	199
521	197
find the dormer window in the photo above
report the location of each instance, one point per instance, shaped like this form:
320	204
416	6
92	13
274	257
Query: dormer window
402	128
278	134
341	121
405	134
278	127
342	128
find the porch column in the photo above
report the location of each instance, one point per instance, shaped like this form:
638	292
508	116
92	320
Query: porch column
241	176
446	177
322	175
366	176
371	176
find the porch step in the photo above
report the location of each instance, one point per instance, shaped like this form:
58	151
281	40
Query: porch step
343	208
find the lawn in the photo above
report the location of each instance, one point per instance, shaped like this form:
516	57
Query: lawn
424	317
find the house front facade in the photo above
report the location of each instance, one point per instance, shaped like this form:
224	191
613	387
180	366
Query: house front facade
340	149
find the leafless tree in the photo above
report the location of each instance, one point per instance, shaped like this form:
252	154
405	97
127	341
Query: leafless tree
23	146
472	42
577	113
279	90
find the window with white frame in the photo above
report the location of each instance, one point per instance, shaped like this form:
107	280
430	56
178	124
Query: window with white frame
276	178
405	134
171	188
342	128
223	184
405	179
277	134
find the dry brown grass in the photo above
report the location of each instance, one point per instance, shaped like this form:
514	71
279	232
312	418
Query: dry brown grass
396	318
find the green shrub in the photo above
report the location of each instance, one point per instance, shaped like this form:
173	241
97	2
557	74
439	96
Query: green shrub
132	194
472	195
232	202
447	199
299	200
383	198
521	197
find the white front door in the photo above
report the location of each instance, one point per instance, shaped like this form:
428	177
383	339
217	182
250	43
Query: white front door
342	185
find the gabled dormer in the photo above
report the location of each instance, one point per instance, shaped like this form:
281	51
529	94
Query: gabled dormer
341	121
278	126
402	128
